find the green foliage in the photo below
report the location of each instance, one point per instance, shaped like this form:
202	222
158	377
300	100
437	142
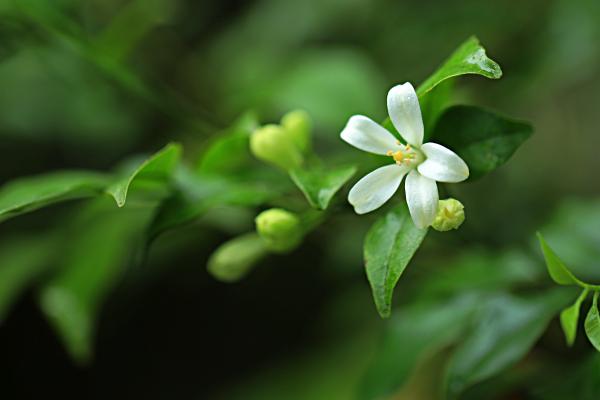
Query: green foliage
580	218
479	270
569	318
418	330
155	170
196	194
28	194
468	58
389	246
229	152
319	184
23	260
484	140
131	24
558	271
592	323
556	268
462	310
503	331
103	241
434	104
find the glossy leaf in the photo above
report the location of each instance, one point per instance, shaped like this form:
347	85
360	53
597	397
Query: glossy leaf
469	58
319	185
157	168
556	268
592	323
28	194
103	241
483	139
412	333
22	261
505	328
569	317
389	246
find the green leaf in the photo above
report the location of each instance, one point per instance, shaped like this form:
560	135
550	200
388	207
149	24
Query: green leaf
434	104
483	139
157	169
22	261
229	151
319	185
569	317
556	268
469	58
27	194
413	332
102	243
476	269
581	246
592	323
389	246
197	194
504	330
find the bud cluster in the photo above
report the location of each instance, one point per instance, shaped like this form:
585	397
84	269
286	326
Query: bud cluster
284	144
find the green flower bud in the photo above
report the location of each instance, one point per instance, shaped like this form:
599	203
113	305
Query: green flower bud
298	125
450	215
280	229
234	259
272	144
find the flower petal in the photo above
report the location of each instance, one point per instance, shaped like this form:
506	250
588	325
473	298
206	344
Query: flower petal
422	198
442	164
405	113
367	135
375	188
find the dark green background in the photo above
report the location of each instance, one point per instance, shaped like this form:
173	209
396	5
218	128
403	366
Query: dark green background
187	70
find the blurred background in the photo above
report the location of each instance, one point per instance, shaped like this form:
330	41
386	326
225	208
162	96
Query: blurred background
300	326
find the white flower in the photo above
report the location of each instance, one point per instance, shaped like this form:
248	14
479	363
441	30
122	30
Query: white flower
424	163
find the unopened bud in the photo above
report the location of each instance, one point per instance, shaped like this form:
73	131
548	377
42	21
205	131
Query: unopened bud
280	229
450	215
298	125
272	144
234	259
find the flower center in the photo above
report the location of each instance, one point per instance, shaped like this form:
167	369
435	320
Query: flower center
407	156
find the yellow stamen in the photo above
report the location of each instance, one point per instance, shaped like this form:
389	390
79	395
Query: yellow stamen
398	156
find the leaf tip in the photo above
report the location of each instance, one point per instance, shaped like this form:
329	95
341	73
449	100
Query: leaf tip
384	313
